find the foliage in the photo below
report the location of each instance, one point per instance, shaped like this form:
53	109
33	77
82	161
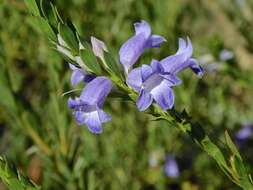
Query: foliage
74	159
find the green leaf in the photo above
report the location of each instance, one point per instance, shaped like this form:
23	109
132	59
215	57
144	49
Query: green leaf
112	64
69	37
15	184
238	166
32	7
90	60
231	145
56	13
214	151
44	27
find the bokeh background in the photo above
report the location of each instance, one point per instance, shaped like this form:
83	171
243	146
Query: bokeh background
38	134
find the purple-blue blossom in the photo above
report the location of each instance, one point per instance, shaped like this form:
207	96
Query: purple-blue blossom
182	59
132	49
87	108
98	47
152	83
155	82
226	55
171	167
79	75
245	132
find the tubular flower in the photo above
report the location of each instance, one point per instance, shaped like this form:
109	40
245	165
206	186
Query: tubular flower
182	60
79	75
88	107
98	47
155	82
132	49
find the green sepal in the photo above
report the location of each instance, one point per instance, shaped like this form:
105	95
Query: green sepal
113	65
214	152
231	145
69	37
90	60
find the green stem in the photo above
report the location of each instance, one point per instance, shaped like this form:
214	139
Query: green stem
196	132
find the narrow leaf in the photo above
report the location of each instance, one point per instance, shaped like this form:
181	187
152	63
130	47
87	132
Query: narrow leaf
214	151
238	165
112	64
90	60
231	145
32	7
69	37
44	27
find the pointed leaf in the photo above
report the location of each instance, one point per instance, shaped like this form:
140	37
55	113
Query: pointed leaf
32	7
214	151
231	145
112	64
69	37
90	60
238	166
44	27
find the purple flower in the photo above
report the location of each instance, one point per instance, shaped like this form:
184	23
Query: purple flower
155	82
182	59
171	167
245	132
98	47
79	75
88	107
226	55
132	49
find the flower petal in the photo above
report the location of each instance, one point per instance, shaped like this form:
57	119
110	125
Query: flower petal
80	117
134	79
98	47
163	95
131	50
195	66
72	103
96	91
103	116
72	67
142	28
88	78
172	79
155	41
181	45
177	62
156	66
76	77
144	100
146	71
93	122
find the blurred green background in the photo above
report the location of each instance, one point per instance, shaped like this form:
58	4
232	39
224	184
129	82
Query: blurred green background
39	135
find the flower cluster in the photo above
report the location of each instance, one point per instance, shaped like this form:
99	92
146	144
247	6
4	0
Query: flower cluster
152	82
